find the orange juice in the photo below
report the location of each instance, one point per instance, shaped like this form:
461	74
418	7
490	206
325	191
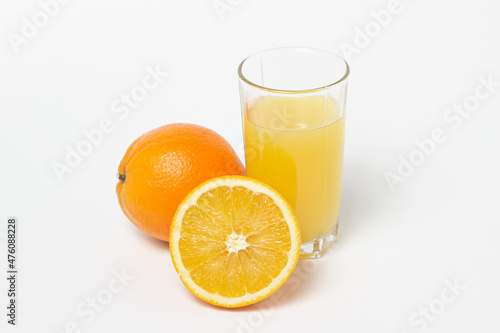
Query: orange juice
295	144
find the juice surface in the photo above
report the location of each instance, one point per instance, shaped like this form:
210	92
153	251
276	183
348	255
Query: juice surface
295	144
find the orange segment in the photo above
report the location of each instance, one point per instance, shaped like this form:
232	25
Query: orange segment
234	241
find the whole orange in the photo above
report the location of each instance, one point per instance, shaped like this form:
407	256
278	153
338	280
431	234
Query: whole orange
162	166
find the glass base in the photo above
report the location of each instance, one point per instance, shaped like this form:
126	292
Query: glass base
317	247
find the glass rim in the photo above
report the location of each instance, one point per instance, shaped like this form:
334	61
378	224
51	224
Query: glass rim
285	91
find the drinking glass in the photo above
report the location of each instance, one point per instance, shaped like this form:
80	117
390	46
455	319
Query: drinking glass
293	112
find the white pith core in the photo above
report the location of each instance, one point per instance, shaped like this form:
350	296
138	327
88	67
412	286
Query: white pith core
236	242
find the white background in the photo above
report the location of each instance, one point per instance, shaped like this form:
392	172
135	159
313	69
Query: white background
396	248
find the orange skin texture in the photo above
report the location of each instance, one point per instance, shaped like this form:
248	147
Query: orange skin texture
162	166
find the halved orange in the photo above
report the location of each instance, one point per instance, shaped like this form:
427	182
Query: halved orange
234	241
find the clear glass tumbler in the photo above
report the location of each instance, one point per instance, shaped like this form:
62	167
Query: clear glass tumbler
293	111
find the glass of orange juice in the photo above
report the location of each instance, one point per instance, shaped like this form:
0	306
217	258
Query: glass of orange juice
293	111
